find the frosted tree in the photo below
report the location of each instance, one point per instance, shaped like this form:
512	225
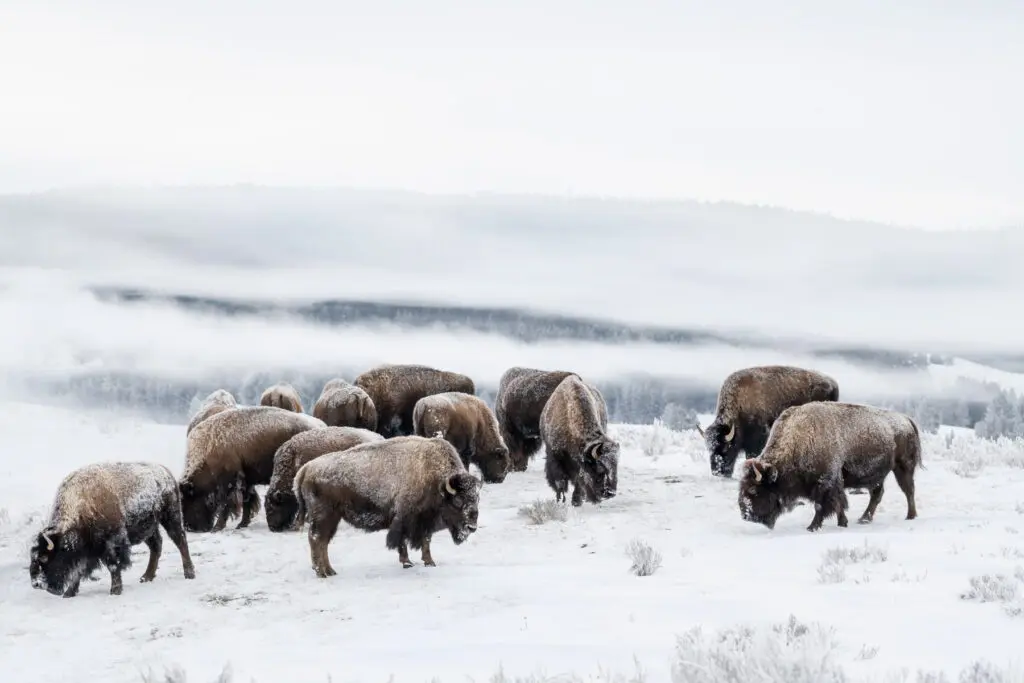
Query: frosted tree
678	417
1004	416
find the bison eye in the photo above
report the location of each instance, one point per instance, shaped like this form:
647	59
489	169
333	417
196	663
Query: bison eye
458	502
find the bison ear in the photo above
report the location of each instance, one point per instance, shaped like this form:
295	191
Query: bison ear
770	474
186	488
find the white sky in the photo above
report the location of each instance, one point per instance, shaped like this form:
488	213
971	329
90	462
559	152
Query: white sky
905	112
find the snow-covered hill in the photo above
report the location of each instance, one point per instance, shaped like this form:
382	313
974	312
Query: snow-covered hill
544	599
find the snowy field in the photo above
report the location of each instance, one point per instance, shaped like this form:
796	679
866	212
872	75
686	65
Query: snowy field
541	601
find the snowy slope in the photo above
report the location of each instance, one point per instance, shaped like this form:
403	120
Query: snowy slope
554	598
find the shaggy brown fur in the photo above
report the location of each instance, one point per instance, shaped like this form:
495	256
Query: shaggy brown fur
227	456
99	513
750	401
522	394
345	405
216	402
279	504
282	395
409	485
464	421
817	450
574	428
394	390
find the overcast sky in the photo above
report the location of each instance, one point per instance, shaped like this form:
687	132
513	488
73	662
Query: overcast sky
904	112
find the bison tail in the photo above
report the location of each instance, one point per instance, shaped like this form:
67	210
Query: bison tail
368	413
300	513
916	444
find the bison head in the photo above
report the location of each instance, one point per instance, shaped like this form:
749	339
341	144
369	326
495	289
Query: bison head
494	465
198	508
57	561
281	508
601	469
723	442
460	506
760	499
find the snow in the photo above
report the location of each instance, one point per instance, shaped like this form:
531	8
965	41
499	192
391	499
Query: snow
554	597
945	376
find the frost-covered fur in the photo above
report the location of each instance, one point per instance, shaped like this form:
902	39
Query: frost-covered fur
522	394
227	456
101	511
749	402
574	429
468	424
394	390
279	504
409	485
282	395
817	450
342	404
216	402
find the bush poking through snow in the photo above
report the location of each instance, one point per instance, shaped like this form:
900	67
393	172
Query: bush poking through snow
655	442
646	560
177	675
835	560
545	510
791	652
992	588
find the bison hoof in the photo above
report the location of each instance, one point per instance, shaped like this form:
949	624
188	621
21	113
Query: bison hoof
864	520
406	564
429	563
146	578
190	573
115	590
814	527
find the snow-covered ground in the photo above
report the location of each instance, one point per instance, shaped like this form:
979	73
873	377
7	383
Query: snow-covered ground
544	599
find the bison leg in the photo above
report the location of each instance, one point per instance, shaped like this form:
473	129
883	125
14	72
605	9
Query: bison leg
578	488
155	543
396	540
558	480
905	479
428	559
876	498
321	530
72	589
250	506
171	523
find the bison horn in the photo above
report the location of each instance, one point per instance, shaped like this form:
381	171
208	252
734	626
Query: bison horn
732	433
701	431
49	543
448	486
757	471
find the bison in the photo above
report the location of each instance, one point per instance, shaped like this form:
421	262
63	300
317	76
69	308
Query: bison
749	402
99	513
216	402
818	450
227	456
279	503
522	393
394	390
409	485
464	421
574	429
281	395
342	404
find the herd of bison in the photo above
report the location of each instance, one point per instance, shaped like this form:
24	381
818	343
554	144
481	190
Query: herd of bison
392	452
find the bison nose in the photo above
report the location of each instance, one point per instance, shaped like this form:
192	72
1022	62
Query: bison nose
471	528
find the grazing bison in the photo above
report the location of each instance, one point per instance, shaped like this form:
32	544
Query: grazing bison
279	503
216	402
99	513
573	426
227	456
522	394
750	401
817	450
464	421
394	390
345	405
409	485
281	395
